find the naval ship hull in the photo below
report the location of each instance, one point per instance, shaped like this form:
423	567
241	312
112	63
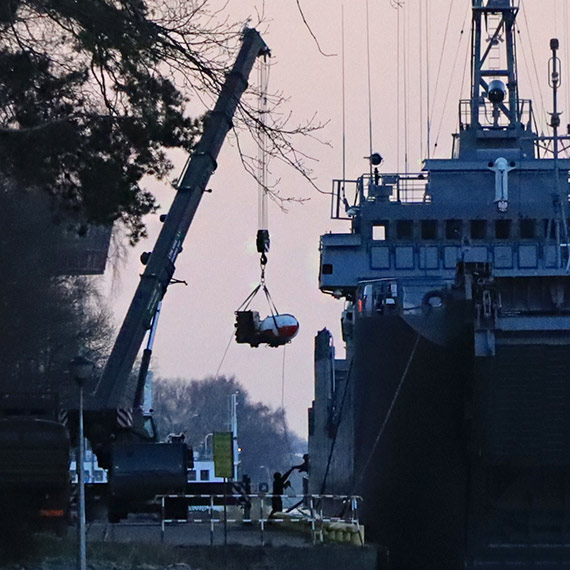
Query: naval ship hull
463	460
411	466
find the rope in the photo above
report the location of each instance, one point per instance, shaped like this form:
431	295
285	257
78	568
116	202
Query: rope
389	413
465	67
567	53
428	104
348	376
263	287
369	82
452	76
398	98
441	56
224	355
421	90
285	429
405	85
534	61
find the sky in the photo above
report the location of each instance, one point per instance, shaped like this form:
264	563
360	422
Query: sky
419	48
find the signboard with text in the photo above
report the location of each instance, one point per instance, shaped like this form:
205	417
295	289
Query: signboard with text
223	454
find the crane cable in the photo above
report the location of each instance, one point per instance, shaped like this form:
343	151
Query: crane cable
262	240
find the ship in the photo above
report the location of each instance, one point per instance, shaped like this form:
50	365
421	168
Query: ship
450	413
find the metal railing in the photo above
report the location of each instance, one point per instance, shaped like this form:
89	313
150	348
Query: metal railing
349	195
488	116
310	512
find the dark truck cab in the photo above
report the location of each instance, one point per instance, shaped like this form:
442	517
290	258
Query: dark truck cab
34	461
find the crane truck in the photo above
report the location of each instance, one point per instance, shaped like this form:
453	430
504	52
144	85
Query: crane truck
123	437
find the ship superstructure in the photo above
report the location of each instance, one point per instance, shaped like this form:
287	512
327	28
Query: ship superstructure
451	411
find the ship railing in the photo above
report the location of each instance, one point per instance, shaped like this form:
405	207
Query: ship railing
309	514
488	118
349	195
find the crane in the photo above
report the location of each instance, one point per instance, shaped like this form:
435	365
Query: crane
122	436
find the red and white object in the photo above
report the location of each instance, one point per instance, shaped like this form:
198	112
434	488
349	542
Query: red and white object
276	330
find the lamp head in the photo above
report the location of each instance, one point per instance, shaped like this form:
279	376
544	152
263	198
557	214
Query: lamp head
81	369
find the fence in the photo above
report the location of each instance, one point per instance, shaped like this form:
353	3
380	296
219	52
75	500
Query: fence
310	512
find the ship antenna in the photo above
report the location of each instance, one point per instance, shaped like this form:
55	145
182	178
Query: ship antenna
369	83
555	123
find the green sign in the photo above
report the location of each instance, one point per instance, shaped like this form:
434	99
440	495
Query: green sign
224	454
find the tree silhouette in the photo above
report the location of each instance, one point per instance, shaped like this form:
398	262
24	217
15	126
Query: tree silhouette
200	407
46	317
92	93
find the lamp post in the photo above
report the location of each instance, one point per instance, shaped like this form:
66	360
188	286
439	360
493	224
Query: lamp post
81	370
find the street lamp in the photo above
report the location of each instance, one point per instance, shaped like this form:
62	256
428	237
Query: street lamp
81	370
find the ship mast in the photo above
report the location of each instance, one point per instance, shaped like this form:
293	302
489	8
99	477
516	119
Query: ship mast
491	76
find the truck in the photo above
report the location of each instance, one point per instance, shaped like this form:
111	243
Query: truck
34	461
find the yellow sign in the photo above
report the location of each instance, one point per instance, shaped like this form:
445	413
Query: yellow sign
224	454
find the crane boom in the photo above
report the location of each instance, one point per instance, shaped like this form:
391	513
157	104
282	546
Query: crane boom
161	263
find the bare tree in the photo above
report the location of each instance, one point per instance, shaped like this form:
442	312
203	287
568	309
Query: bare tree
92	93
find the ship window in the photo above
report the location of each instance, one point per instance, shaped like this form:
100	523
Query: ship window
404	229
192	475
327	269
429	229
478	229
204	474
502	229
453	229
527	229
379	232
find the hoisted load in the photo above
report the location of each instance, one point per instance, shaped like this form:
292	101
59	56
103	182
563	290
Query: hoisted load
275	329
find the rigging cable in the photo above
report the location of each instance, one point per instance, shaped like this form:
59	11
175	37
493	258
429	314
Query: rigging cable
333	443
398	5
263	74
465	67
406	98
534	62
451	77
566	57
528	72
369	82
428	103
388	414
398	98
343	106
421	91
441	58
224	355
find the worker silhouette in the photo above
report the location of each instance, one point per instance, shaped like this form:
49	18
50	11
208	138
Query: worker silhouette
280	483
247	498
